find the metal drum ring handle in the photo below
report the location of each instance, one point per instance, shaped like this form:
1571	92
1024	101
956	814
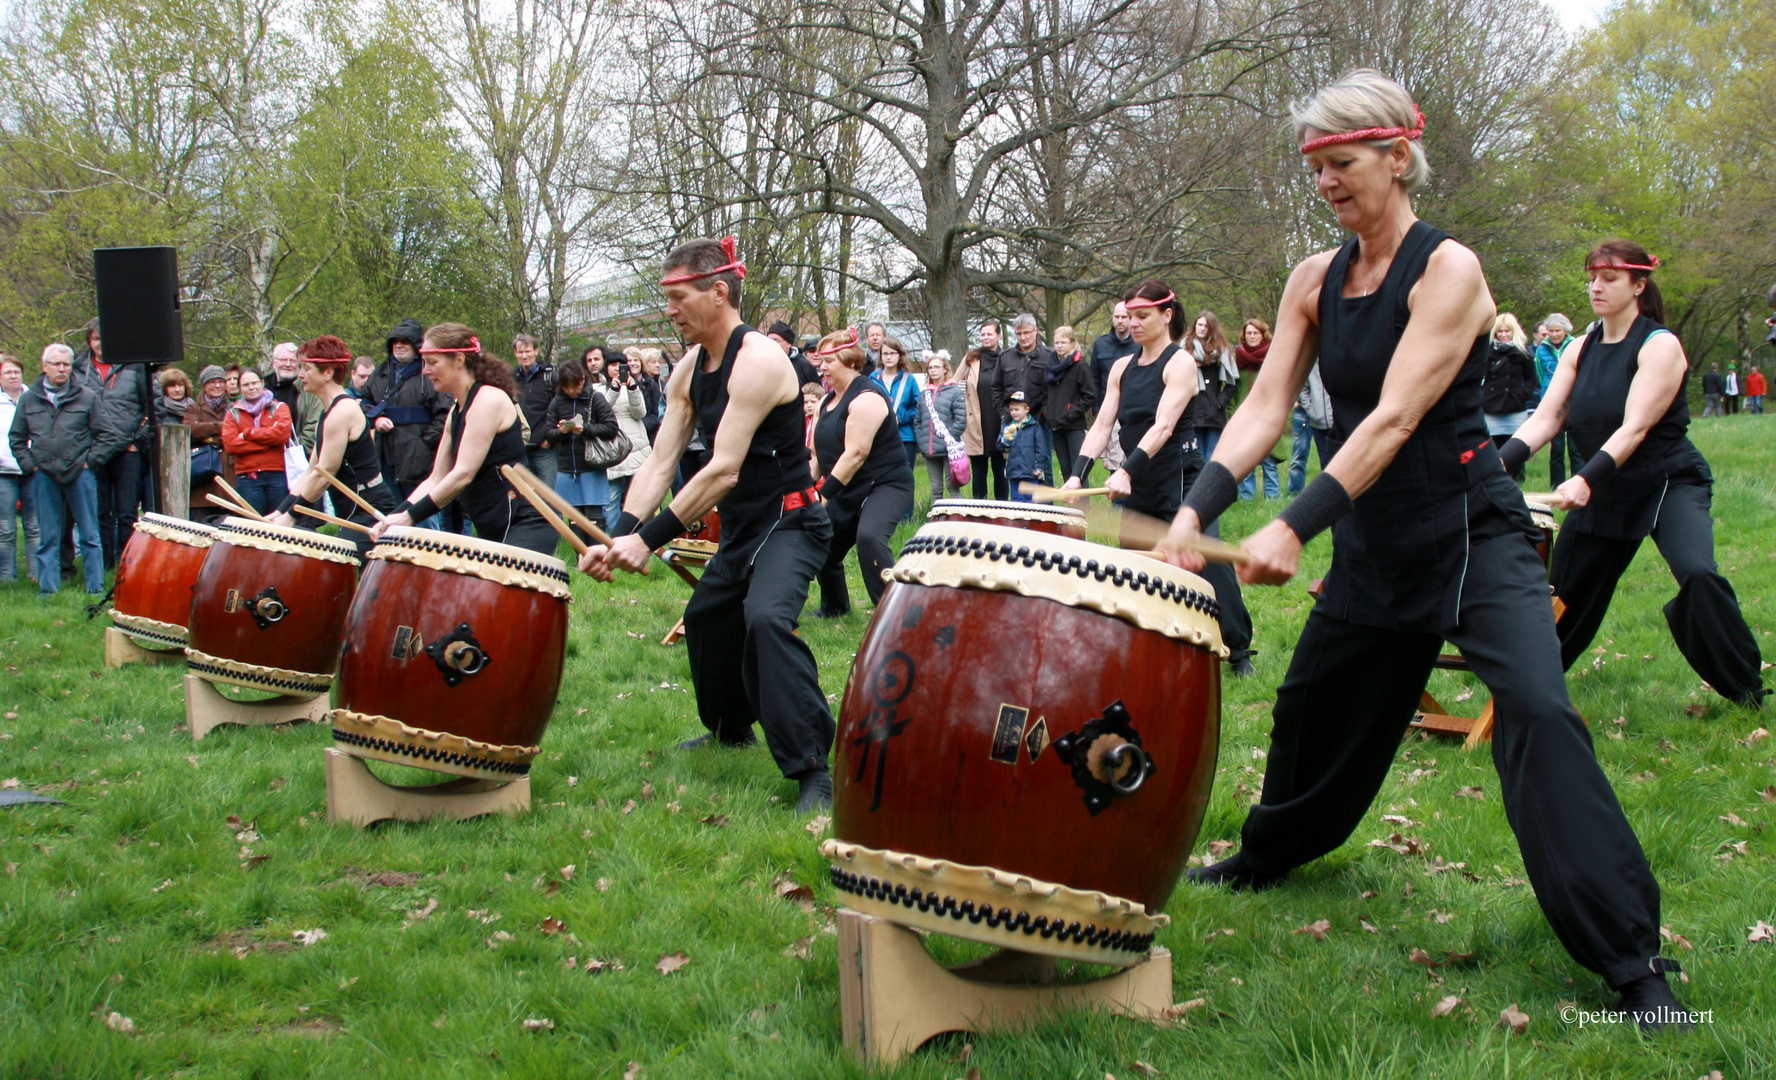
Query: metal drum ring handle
465	657
1116	757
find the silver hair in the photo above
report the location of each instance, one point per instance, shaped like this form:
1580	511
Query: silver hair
1364	98
1557	321
57	347
1026	319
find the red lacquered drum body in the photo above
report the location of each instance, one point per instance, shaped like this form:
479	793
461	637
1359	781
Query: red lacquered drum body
155	575
1544	520
268	610
453	654
985	785
1038	517
708	527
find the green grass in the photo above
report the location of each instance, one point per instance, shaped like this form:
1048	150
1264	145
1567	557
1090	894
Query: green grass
132	897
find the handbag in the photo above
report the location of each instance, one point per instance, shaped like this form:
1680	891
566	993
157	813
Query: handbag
604	453
206	463
954	450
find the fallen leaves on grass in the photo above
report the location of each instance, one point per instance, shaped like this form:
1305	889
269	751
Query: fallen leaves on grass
573	781
1405	845
1734	819
634	1071
1763	931
483	914
1695	710
1401	820
1364	923
252	861
539	1023
671	962
1676	939
1755	737
1181	1009
1218	848
1447	1006
801	948
603	884
629	807
597	964
1729	851
647	790
11	783
817	824
167	884
551	925
1317	929
1514	1018
120	1023
567	872
307	937
1419	956
1470	793
391	879
1213	934
500	937
787	888
714	821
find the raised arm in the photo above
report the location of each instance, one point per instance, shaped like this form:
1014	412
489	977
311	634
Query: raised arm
868	412
1658	379
649	484
1097	440
1550	415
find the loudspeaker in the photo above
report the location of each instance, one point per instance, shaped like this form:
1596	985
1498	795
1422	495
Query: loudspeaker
138	301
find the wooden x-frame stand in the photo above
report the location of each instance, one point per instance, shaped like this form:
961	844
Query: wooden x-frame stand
121	649
357	796
683	559
893	996
206	707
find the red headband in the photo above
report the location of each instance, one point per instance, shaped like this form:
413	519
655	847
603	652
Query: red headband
1141	302
1367	135
473	346
326	359
730	249
840	346
1650	265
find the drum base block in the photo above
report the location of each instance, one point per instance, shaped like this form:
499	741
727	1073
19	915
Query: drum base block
121	649
206	707
893	996
357	796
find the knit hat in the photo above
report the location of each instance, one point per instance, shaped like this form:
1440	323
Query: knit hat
782	330
213	371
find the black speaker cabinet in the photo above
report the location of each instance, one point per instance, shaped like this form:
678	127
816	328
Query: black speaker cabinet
138	300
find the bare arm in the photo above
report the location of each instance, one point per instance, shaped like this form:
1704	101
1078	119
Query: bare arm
1097	440
1660	374
762	380
1550	415
1180	386
866	416
336	431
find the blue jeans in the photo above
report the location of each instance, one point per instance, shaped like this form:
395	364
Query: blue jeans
1249	486
619	489
263	492
1018	496
81	497
1206	440
16	505
1303	433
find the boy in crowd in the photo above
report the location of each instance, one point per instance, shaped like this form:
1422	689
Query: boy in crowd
1026	445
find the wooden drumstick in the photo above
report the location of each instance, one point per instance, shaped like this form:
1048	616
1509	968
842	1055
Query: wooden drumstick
330	519
243	511
348	492
1044	494
543	508
1545	497
1140	531
240	503
573	514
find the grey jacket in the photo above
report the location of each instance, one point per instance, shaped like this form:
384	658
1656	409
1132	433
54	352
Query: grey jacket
60	437
119	410
952	409
1315	402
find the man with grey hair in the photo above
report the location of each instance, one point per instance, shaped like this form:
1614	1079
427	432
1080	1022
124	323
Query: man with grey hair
1547	357
1023	367
285	384
873	336
56	438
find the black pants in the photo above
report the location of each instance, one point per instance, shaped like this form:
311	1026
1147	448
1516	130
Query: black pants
869	528
120	492
1066	448
1345	703
1162	506
747	663
1704	617
379	495
979	464
1557	464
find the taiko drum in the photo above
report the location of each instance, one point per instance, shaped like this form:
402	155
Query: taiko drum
268	609
1544	520
155	575
453	654
1027	742
1037	517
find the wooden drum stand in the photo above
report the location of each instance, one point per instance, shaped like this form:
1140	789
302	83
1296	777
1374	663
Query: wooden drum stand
359	797
206	707
121	649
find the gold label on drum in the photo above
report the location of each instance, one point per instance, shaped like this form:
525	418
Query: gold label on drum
1008	733
232	602
1036	739
408	643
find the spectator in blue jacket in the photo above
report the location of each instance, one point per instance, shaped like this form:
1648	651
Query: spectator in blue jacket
1027	447
1547	357
944	399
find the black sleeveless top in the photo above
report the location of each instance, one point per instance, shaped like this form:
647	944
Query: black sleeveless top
1159	490
884	466
1625	505
775	465
486	499
1399	559
360	465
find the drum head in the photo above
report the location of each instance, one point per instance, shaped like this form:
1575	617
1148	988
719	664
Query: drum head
287	539
177	530
985	509
457	554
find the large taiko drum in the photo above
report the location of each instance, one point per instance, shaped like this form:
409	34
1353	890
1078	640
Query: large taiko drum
155	576
707	528
268	609
1544	520
1037	517
453	655
1027	742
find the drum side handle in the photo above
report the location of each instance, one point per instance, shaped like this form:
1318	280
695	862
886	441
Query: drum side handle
268	608
458	655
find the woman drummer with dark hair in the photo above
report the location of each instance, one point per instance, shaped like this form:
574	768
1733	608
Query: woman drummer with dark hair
1431	542
1621	395
1148	394
481	434
344	443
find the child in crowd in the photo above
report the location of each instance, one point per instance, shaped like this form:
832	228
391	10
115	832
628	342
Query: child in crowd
1027	447
175	394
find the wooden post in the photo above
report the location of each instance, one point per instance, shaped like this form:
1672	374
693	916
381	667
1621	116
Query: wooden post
174	488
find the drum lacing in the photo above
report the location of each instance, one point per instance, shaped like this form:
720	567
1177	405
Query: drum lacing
448	757
509	562
191	527
1003	918
243	530
304	685
1140	580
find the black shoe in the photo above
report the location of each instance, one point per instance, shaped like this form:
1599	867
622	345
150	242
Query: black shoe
709	740
825	614
1233	873
1241	667
816	791
1650	1001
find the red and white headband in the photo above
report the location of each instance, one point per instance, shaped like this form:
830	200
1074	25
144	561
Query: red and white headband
1650	265
1143	302
473	346
730	249
1367	135
840	346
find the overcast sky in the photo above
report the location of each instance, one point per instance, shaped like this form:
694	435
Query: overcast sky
1578	13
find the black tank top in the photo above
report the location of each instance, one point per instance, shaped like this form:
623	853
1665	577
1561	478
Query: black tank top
1159	490
775	465
886	463
359	466
1625	505
486	498
1400	557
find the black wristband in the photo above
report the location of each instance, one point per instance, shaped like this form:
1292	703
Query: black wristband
424	508
626	524
1134	461
1514	453
1081	464
1316	508
1598	468
830	487
290	501
402	507
660	529
1214	491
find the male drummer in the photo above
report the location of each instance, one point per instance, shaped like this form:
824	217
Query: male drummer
739	391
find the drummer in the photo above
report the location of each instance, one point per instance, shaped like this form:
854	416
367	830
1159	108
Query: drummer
1431	542
1620	392
1147	394
865	481
481	433
344	445
739	391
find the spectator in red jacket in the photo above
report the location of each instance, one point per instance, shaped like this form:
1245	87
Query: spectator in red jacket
254	433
